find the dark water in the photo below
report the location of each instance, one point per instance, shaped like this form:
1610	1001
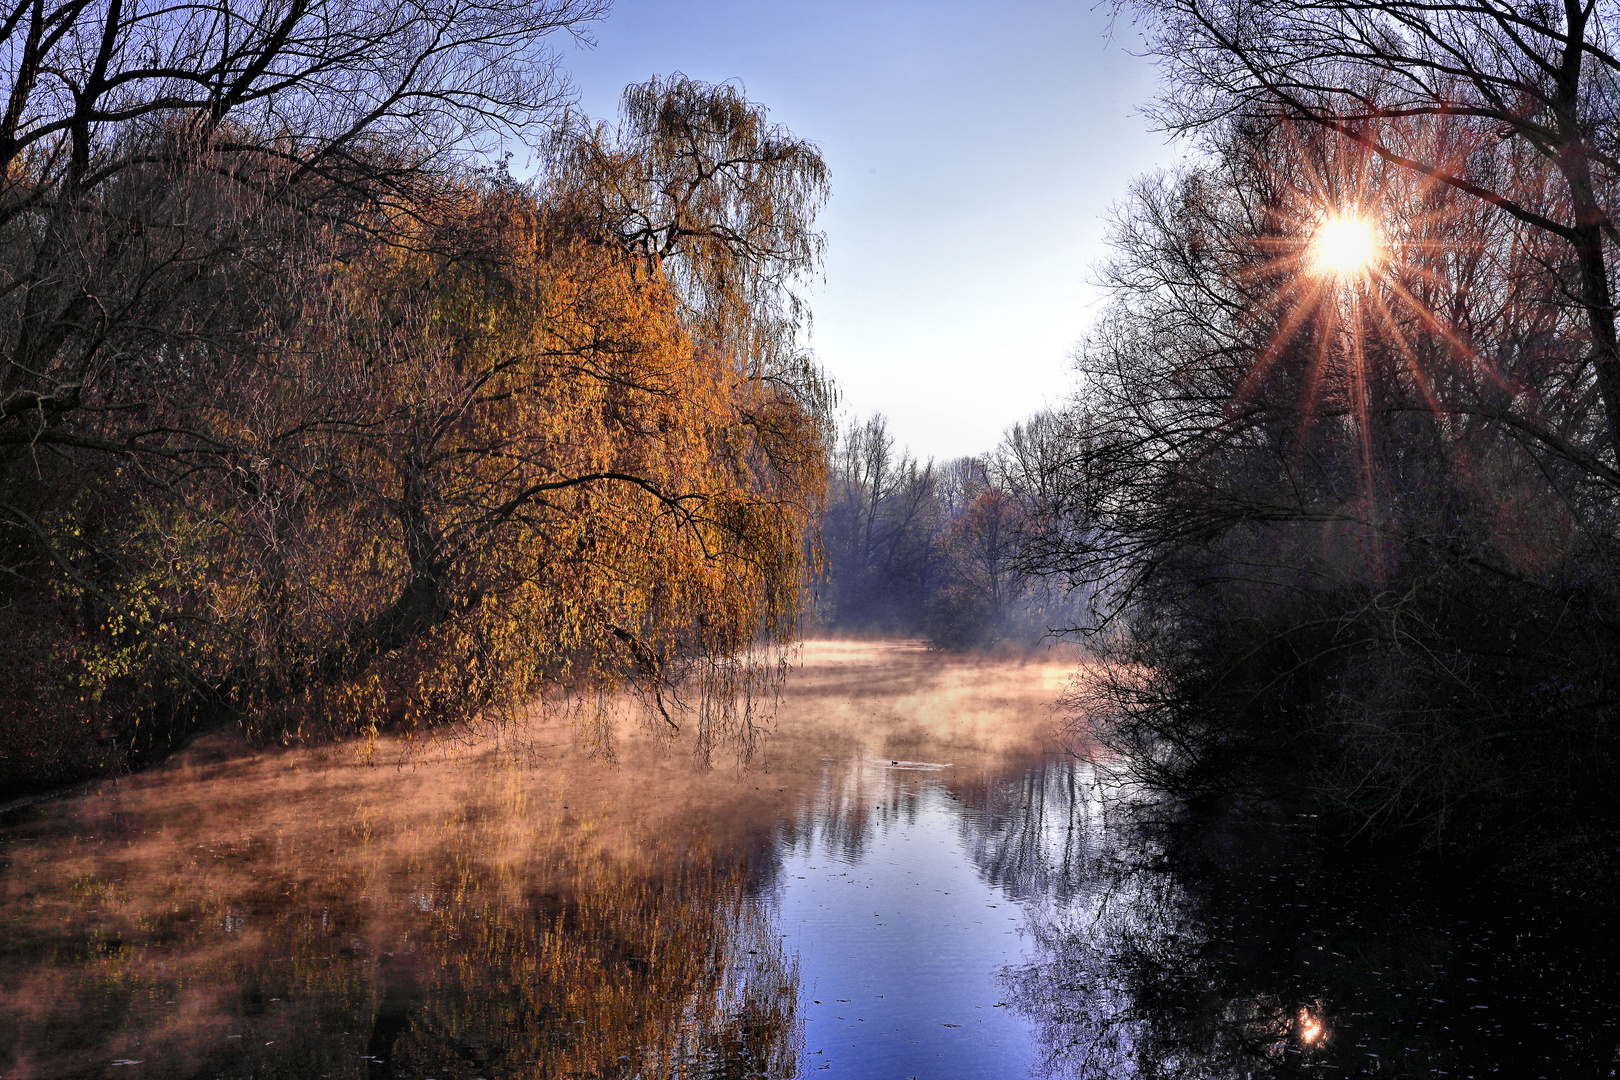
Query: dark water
909	880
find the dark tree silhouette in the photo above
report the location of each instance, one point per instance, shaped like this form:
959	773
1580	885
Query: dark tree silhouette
1520	86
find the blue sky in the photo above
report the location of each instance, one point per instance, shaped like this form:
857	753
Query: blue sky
974	150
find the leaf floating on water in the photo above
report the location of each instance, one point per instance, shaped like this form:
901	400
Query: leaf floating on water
923	766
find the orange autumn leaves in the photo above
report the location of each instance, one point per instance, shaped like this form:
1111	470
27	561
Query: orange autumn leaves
575	485
474	452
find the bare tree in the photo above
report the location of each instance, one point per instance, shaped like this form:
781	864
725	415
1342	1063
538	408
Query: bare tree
143	146
1341	559
1514	82
881	530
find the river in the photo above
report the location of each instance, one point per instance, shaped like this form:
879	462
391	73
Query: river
911	876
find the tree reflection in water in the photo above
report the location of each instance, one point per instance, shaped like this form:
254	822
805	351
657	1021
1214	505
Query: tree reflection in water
1204	950
1035	832
471	912
483	941
301	915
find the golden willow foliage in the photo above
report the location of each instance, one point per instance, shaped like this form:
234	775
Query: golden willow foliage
695	183
466	457
540	478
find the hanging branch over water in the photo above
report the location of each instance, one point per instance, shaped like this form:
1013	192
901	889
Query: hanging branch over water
310	419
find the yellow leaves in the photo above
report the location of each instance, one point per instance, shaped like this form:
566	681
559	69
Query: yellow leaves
588	488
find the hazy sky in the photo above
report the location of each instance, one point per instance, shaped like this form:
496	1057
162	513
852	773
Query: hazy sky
974	150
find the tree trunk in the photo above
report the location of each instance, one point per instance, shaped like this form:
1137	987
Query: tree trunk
1598	300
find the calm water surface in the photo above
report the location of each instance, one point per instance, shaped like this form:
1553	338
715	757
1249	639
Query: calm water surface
909	879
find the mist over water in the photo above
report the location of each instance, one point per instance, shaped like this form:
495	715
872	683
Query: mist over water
912	876
517	907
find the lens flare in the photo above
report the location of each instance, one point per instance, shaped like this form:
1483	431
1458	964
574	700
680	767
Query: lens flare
1344	245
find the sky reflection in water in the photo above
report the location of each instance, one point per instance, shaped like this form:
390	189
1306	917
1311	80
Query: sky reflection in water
900	942
844	906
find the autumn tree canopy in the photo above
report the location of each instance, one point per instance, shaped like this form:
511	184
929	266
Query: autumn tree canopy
310	420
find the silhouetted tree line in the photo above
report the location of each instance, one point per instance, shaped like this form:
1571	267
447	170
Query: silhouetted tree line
311	419
1354	531
919	549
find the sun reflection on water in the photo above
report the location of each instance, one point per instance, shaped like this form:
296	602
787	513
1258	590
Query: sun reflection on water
1310	1028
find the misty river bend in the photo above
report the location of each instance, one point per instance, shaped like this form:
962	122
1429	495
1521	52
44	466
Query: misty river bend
911	878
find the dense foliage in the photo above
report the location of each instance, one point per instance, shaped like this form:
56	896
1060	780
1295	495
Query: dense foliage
310	422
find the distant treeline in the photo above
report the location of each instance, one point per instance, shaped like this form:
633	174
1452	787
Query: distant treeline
313	419
920	549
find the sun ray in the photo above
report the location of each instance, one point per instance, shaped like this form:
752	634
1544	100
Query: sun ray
1459	347
1408	354
1296	316
1347	256
1313	388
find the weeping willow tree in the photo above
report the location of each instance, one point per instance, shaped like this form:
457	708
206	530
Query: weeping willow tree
470	449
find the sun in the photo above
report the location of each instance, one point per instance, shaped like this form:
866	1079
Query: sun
1344	246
